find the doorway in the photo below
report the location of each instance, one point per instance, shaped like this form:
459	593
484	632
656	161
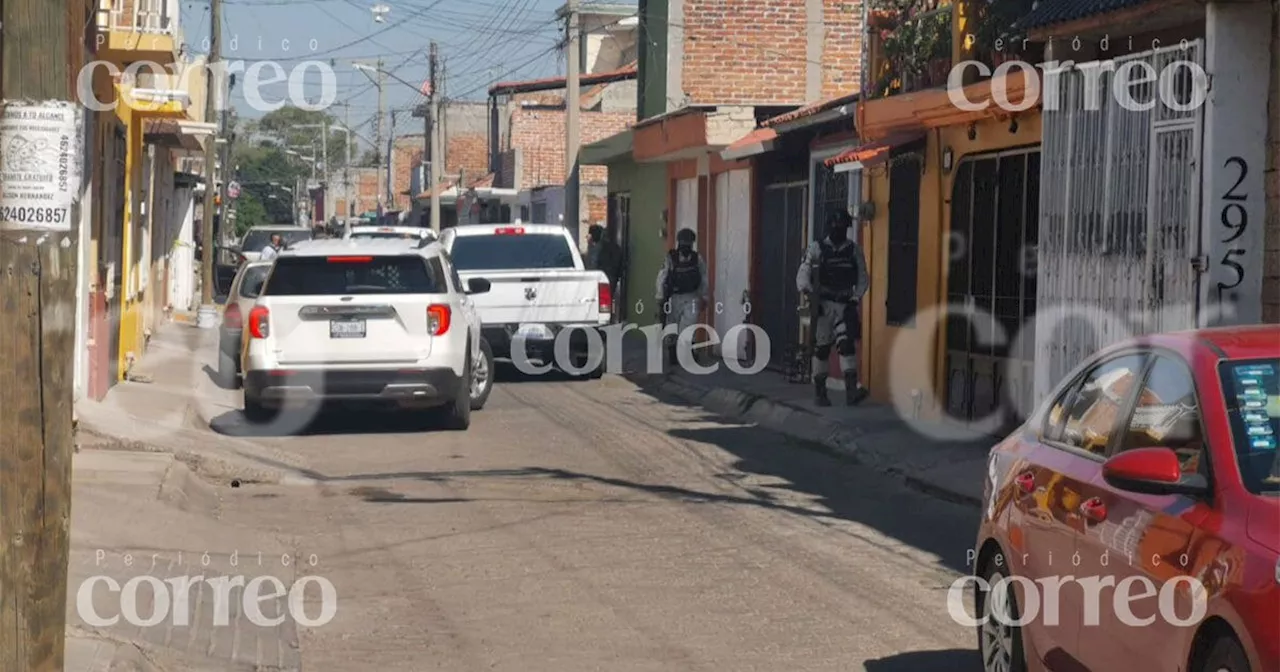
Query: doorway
784	209
733	257
991	286
619	231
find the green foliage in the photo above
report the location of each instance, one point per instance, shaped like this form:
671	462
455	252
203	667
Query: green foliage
917	45
250	213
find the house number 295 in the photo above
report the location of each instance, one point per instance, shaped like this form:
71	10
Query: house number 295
1235	219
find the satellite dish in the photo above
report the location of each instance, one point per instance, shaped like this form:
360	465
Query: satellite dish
380	12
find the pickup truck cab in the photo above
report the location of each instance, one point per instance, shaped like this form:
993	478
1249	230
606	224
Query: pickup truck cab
539	288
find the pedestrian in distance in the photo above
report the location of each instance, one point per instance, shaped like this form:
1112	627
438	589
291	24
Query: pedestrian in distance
272	250
682	287
833	278
603	254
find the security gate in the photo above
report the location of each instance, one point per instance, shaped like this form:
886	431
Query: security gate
994	223
1119	206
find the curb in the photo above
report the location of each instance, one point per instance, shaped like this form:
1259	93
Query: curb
810	429
216	468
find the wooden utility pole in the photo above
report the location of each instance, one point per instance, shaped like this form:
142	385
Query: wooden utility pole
573	108
38	257
213	93
433	121
391	163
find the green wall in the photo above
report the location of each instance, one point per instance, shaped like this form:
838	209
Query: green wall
645	245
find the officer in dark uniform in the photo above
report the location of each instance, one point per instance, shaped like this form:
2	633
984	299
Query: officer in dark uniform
682	286
833	275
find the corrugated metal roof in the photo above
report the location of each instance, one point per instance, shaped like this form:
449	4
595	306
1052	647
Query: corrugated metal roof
1052	12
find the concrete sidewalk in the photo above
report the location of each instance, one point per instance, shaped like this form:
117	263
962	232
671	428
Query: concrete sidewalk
953	467
166	406
140	514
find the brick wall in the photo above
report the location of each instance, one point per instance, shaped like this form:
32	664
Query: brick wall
1271	264
540	133
757	52
467	152
842	47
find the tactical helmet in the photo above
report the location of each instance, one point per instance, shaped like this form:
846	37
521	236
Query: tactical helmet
686	236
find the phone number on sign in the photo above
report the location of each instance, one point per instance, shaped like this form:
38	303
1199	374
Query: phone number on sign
34	215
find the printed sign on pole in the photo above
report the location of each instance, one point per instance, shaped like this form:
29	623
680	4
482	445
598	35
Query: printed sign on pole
40	147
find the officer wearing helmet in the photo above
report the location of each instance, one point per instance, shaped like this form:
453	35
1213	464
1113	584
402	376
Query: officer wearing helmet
833	275
682	286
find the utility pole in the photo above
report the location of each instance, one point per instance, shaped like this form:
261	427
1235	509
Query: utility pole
37	337
208	316
346	161
324	152
377	150
572	185
434	123
391	163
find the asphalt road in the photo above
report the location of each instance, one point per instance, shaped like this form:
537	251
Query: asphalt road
586	525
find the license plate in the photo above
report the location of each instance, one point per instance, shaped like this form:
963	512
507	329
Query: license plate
535	332
346	328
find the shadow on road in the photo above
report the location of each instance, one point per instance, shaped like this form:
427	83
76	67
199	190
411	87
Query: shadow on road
950	660
328	420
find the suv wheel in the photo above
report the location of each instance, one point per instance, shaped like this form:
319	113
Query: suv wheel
457	415
228	376
480	382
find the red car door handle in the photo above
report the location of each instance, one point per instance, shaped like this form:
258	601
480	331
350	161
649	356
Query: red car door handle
1027	482
1094	510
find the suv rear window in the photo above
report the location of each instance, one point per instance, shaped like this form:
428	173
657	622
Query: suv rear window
346	276
511	252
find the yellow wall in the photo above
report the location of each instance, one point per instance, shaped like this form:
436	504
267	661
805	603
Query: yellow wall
900	360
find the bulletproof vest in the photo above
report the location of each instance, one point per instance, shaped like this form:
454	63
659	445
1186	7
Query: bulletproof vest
838	269
685	276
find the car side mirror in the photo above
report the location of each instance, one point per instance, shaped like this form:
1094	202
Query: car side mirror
1152	471
478	286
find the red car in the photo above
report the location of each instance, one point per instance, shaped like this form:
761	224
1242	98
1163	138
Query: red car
1133	523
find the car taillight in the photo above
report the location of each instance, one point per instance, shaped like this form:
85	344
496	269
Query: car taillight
350	260
231	317
438	317
259	322
606	298
509	231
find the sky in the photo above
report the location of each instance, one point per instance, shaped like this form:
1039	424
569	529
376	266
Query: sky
480	42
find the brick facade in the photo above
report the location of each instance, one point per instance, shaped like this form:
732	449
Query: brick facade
1271	263
467	153
539	134
749	53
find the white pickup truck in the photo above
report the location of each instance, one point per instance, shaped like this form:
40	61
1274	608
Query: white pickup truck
539	288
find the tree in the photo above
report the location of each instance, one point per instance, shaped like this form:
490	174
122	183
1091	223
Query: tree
250	213
298	128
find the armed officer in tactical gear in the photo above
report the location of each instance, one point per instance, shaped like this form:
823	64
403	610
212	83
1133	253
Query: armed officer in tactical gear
833	274
682	286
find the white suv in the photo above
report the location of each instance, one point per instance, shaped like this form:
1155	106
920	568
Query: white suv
381	321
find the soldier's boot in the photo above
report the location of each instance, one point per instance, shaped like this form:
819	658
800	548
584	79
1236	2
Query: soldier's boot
673	360
820	397
854	393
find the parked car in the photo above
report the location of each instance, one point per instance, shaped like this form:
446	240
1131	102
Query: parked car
394	232
1155	462
258	237
385	322
240	299
540	287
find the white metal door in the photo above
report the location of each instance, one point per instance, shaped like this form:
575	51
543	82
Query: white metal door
687	206
733	238
1119	211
